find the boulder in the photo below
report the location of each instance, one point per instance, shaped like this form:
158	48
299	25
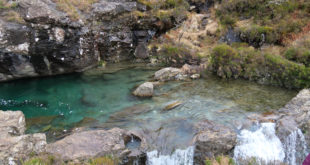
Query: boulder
14	144
212	140
295	114
12	122
144	90
86	144
167	74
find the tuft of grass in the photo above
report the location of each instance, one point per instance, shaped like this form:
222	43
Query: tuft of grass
5	5
220	160
73	7
13	16
105	160
49	160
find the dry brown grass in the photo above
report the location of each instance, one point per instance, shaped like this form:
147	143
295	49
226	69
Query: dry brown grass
13	16
73	7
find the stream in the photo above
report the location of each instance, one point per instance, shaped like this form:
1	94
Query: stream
101	98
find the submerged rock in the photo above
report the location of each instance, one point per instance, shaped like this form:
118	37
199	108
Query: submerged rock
144	90
14	144
212	140
172	105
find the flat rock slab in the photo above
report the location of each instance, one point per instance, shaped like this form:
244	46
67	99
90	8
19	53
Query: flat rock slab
87	144
14	144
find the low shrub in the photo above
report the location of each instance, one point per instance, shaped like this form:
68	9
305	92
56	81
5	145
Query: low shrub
248	63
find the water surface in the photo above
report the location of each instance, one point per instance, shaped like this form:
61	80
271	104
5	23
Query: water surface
101	98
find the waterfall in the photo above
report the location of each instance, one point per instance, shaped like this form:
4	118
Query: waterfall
261	144
295	148
179	157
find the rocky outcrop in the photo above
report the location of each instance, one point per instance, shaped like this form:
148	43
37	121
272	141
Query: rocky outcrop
14	144
93	143
212	140
295	114
54	40
144	90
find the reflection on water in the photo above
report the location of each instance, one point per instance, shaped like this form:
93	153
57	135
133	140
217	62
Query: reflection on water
102	99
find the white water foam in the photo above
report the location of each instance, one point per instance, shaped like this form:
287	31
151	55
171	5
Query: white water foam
262	144
295	147
179	157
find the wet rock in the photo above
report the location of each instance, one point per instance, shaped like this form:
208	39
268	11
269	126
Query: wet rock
14	144
144	90
172	105
83	145
141	51
195	76
295	114
212	140
167	74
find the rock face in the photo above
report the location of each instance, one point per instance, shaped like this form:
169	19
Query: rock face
49	41
144	90
14	144
211	140
295	114
83	145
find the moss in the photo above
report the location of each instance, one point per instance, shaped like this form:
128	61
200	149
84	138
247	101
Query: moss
105	160
208	162
49	160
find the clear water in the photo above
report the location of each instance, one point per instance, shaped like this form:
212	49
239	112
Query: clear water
101	98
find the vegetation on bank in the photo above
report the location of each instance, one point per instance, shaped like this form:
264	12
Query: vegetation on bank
51	160
246	62
278	20
220	160
7	11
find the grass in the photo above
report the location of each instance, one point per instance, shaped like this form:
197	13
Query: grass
73	7
5	5
51	160
220	160
106	160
